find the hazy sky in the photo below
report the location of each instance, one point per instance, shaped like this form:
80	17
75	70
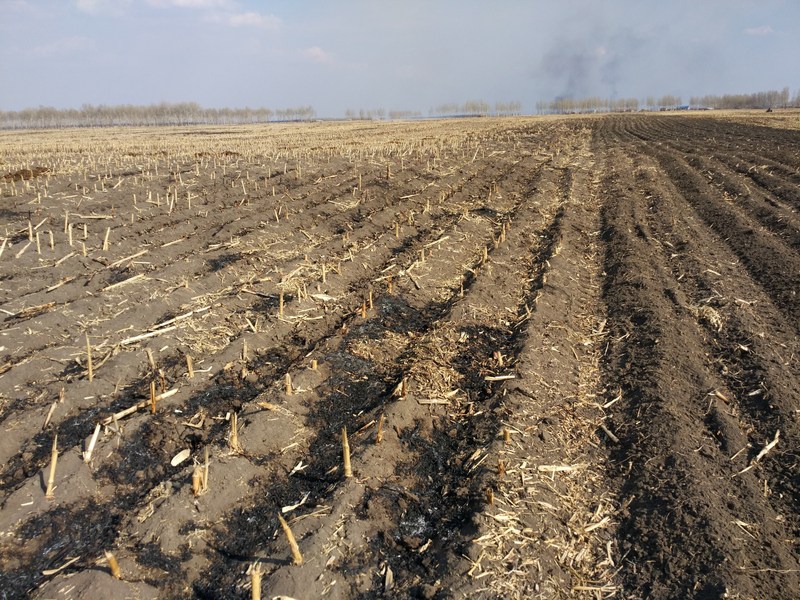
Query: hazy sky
396	55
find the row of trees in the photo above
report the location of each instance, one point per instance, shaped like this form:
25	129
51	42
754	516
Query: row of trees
190	113
770	99
185	113
597	104
380	113
472	108
476	108
586	105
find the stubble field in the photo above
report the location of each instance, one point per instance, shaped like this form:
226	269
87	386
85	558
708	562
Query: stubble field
564	350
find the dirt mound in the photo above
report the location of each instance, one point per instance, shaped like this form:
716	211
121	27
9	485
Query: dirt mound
25	174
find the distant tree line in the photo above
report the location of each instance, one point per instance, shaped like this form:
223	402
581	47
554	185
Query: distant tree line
472	108
185	113
597	104
476	108
770	99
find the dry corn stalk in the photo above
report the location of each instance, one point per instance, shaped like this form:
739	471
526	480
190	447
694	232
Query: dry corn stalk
255	581
234	438
153	396
348	471
297	558
89	359
197	480
113	565
87	456
200	477
49	494
379	434
288	384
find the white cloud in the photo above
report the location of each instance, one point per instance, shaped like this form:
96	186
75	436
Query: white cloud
63	46
201	4
254	19
762	30
248	19
316	54
95	7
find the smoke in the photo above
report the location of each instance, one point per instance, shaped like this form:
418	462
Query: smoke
569	71
596	64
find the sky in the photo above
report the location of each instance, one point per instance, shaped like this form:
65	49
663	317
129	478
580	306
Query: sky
392	54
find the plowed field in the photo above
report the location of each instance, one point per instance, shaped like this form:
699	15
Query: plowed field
564	351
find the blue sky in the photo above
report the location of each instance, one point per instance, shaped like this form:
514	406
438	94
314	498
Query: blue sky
396	55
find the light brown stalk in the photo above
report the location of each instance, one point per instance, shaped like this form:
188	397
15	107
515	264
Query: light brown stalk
297	558
287	380
113	565
348	470
153	396
51	478
234	437
255	581
379	434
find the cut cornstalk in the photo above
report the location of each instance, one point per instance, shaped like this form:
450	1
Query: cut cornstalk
49	415
151	360
127	258
287	381
113	565
205	471
153	396
144	336
87	456
197	480
348	471
89	366
51	478
21	252
189	367
234	437
124	282
379	433
255	581
297	558
136	407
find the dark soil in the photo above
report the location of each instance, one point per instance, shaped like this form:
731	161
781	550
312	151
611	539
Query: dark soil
579	336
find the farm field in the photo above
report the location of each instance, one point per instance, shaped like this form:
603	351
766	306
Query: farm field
564	351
